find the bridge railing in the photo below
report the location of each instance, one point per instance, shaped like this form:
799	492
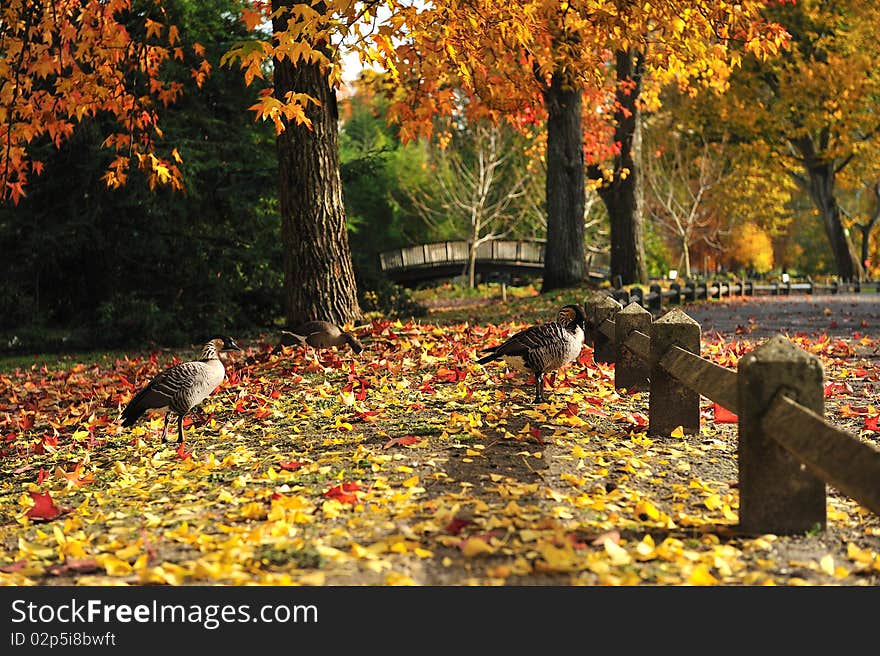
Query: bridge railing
787	450
444	253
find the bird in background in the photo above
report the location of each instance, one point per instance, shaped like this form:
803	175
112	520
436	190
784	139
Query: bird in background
319	335
543	348
181	387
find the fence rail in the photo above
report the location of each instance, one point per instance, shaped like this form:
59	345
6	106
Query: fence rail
787	450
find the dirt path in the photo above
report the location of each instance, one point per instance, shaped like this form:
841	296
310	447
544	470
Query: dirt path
760	317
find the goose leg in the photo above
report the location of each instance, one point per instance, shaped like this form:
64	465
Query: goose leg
180	429
165	428
539	388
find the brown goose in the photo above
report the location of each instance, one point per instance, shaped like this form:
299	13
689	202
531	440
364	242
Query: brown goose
181	387
543	348
320	334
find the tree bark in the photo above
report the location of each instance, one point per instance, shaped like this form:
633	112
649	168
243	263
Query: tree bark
564	256
623	196
820	184
319	279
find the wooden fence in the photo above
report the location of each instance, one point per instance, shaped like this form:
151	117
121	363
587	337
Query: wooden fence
656	297
787	451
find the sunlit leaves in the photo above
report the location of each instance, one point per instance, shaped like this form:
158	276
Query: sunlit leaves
66	61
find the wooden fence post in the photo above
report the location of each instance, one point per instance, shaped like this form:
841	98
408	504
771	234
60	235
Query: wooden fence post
671	403
637	295
777	494
598	309
655	302
630	371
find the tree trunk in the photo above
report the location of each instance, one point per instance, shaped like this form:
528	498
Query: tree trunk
564	256
821	187
319	279
472	262
686	256
623	196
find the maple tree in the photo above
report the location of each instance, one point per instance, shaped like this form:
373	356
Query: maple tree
126	244
67	61
813	107
537	60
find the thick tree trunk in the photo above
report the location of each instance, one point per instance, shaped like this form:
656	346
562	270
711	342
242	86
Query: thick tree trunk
821	187
318	273
564	256
623	196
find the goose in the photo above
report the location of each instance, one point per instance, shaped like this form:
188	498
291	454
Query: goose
181	387
320	334
543	348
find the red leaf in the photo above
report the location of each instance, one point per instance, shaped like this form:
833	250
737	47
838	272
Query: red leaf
871	423
11	568
182	453
343	493
724	416
44	508
41	476
406	440
457	524
78	565
292	465
536	433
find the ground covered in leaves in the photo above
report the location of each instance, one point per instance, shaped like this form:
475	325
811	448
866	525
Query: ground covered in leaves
410	464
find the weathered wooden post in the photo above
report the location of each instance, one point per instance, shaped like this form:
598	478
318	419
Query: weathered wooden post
777	494
621	296
598	308
671	403
636	295
630	370
655	298
690	291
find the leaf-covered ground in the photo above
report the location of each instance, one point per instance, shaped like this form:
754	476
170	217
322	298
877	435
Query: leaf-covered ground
412	465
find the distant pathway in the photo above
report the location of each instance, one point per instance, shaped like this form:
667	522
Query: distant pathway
761	317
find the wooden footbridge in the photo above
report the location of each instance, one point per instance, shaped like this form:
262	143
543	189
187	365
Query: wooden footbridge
445	259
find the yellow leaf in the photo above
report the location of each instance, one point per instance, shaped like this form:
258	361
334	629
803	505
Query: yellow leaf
678	431
827	564
702	576
618	554
713	502
475	547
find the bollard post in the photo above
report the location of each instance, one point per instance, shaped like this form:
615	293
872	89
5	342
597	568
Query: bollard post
671	403
630	371
675	299
636	295
777	494
655	301
601	309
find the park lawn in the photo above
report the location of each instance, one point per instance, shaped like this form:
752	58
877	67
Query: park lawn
407	465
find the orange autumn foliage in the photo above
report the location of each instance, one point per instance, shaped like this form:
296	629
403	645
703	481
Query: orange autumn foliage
67	61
